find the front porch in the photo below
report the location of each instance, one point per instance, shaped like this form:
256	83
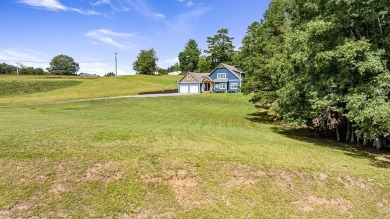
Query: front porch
206	85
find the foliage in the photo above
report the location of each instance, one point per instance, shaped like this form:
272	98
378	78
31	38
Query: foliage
31	71
63	65
204	65
315	56
146	62
23	70
189	58
220	48
174	68
109	74
7	69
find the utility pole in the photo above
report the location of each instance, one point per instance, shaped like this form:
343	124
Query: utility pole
116	65
17	68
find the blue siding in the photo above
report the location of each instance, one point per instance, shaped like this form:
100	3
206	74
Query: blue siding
231	79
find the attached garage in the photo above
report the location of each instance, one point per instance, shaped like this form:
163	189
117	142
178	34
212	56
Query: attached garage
194	88
183	88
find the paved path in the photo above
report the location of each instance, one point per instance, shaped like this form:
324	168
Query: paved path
100	98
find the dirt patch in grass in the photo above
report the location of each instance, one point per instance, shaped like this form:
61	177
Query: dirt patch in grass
105	171
352	183
183	180
317	204
242	175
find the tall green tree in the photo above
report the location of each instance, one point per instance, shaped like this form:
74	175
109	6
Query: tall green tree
146	62
220	48
204	65
323	64
63	65
189	57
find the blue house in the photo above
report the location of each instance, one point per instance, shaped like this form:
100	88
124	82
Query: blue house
224	78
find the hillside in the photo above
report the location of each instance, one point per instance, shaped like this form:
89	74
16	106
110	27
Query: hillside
80	88
198	156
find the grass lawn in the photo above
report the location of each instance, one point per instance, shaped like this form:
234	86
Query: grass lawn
198	156
60	88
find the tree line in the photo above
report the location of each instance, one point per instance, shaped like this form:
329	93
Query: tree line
191	59
324	65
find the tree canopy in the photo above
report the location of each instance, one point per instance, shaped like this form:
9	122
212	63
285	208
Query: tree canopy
323	64
189	58
220	48
146	62
63	65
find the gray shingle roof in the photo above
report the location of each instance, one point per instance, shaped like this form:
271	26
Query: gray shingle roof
232	69
199	76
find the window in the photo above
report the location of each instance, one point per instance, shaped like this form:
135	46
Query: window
222	86
188	76
221	76
233	86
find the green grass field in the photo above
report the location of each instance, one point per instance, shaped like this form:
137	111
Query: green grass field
59	88
198	156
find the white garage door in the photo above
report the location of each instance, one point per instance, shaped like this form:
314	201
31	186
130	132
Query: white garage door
194	88
183	88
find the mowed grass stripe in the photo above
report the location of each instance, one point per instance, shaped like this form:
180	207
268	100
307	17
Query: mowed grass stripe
185	156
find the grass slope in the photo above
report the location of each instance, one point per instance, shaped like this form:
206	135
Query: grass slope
89	88
8	87
202	156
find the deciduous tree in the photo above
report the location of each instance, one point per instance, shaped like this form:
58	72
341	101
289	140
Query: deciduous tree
146	62
63	65
189	57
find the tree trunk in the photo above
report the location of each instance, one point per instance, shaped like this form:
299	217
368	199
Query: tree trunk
352	136
337	133
348	132
378	143
365	141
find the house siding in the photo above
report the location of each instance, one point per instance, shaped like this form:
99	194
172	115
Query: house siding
231	79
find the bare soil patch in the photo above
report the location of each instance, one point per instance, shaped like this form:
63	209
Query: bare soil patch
315	204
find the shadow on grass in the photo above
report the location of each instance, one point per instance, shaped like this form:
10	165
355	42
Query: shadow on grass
260	117
378	158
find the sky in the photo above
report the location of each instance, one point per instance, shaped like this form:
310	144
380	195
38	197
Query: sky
91	31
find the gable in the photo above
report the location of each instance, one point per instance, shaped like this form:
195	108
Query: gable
218	70
186	79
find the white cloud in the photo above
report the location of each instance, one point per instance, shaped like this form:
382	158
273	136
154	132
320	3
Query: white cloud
158	15
181	21
112	38
56	5
186	3
141	7
26	57
101	2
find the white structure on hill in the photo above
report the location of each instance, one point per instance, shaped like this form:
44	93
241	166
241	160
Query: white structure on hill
174	73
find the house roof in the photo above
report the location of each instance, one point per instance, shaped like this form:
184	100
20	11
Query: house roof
199	76
232	69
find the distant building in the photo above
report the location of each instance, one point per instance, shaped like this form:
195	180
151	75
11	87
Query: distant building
174	73
224	78
88	75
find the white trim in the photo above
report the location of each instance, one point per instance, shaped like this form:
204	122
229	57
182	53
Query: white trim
219	75
236	86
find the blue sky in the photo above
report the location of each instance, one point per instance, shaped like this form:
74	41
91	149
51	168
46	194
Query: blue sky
91	31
